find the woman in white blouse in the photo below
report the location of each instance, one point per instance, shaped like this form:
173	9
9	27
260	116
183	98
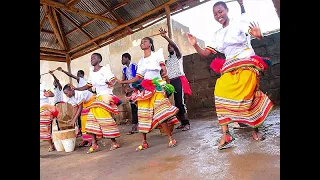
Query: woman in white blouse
154	108
99	119
237	95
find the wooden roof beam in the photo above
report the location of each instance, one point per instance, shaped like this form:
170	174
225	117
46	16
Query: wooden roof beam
106	12
123	25
53	50
71	3
52	58
42	22
77	11
60	28
73	23
54	26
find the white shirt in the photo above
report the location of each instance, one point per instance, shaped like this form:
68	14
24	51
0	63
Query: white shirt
149	67
234	39
174	66
43	99
82	82
58	95
100	78
79	97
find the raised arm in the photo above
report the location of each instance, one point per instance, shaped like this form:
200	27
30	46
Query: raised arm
241	6
193	41
173	44
56	79
83	88
68	74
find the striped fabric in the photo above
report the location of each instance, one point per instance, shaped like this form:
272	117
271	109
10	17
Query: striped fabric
100	121
154	111
250	112
45	125
254	61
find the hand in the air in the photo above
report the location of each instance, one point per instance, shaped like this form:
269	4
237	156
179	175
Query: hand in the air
163	32
192	39
255	30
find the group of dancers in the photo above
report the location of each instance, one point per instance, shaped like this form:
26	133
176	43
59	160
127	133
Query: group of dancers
150	83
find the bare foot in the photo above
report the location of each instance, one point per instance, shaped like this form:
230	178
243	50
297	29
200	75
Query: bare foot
257	136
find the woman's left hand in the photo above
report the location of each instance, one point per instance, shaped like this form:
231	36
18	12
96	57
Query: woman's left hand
255	30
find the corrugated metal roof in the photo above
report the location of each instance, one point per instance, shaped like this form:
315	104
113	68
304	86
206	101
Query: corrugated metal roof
128	11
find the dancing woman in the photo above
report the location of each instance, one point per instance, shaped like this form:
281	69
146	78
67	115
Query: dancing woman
237	94
154	108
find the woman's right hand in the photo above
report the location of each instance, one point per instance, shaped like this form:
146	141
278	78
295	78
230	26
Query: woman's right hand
192	40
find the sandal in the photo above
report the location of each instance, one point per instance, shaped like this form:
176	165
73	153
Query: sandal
92	149
143	146
131	132
180	127
228	138
51	148
114	146
258	137
172	143
83	144
186	127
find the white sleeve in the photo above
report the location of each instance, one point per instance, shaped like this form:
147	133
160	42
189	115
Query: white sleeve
89	81
141	70
213	45
160	57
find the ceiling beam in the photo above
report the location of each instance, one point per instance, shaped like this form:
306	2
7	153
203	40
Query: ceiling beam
77	11
106	12
42	22
53	50
52	58
73	23
71	3
54	26
123	25
60	28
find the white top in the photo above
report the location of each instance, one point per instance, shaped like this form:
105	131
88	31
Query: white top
174	66
100	78
234	39
149	67
58	95
79	97
43	99
82	82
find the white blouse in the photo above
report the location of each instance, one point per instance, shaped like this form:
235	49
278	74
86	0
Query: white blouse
43	99
234	40
100	78
79	97
150	67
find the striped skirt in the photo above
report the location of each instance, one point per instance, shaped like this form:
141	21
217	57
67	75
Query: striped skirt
238	98
153	109
47	113
99	120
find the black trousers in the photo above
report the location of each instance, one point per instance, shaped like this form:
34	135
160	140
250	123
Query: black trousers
179	100
134	112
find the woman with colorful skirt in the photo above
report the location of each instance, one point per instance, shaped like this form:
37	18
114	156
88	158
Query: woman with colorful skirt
47	113
81	101
99	120
237	95
154	108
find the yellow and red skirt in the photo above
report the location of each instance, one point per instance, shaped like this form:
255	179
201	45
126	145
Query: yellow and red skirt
99	120
237	95
47	113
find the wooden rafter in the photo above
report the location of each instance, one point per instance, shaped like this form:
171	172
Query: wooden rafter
77	11
104	13
52	50
115	15
42	22
72	22
48	32
123	25
52	58
71	3
60	28
54	26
